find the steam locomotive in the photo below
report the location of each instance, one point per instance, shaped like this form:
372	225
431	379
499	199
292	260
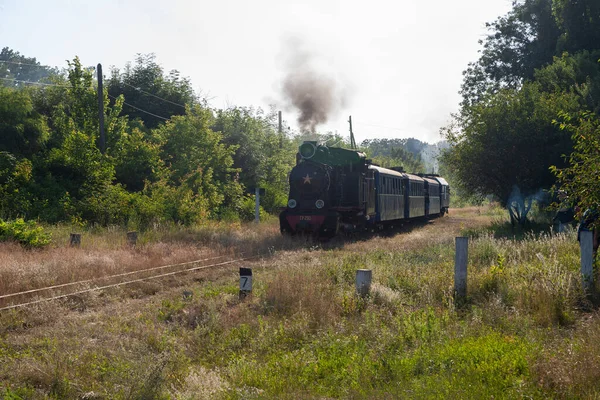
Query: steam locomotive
334	189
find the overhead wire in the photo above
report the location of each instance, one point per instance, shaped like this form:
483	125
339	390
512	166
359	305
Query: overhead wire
22	63
57	85
33	83
139	109
153	95
379	126
124	83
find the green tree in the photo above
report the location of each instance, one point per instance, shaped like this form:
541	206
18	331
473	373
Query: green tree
518	43
14	66
197	157
508	143
137	160
72	179
23	131
263	156
15	175
580	178
580	24
145	86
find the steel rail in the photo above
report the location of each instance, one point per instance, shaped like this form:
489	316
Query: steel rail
5	296
124	283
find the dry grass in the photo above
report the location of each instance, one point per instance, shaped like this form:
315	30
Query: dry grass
105	252
571	361
304	333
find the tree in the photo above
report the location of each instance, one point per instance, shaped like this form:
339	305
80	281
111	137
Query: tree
137	160
509	142
197	157
580	24
264	157
146	87
580	178
504	138
520	42
23	131
13	65
14	176
72	179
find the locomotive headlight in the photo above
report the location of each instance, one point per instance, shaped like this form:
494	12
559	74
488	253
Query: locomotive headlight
292	203
307	150
319	203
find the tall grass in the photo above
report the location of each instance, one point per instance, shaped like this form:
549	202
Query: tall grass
526	329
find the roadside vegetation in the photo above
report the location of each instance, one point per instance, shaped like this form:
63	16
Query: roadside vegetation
525	330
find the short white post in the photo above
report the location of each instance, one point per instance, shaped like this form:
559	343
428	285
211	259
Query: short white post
245	282
460	267
586	239
257	205
363	281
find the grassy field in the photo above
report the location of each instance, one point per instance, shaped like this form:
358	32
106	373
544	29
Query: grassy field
525	330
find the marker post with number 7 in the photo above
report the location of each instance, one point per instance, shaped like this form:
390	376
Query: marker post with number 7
245	282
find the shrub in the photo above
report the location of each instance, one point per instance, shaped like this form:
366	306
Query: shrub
27	233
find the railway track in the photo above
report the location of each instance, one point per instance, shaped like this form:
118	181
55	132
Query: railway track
101	283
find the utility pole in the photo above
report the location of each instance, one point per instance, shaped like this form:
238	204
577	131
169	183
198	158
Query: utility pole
101	109
280	132
352	142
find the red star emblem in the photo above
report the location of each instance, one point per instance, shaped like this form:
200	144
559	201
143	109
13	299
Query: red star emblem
307	179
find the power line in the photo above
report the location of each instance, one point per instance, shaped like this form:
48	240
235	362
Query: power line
379	126
34	83
139	109
124	83
22	63
54	84
153	95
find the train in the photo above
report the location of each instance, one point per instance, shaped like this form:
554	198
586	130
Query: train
335	190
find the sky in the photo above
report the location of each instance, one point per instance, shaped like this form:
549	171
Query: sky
398	63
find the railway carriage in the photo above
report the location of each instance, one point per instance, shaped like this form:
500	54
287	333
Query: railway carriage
333	189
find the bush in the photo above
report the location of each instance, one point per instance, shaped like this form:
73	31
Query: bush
27	233
247	213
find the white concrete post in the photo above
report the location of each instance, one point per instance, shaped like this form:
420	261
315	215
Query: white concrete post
363	281
460	267
586	239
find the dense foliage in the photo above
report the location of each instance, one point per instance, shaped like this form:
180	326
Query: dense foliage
580	179
539	62
26	233
169	156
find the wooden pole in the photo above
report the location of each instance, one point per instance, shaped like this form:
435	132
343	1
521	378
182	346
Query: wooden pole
586	243
101	109
132	238
352	142
460	267
75	240
280	130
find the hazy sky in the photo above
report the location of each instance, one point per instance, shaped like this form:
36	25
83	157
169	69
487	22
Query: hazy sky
398	63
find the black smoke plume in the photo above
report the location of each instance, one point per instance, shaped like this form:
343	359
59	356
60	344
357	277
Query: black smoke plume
308	88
